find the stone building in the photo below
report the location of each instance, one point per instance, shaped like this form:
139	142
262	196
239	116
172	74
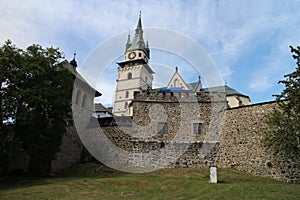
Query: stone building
135	74
198	130
72	149
213	126
180	125
101	112
233	97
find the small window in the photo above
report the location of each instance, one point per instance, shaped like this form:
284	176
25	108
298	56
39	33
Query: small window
129	75
126	105
140	54
146	79
78	97
126	94
197	128
162	128
176	83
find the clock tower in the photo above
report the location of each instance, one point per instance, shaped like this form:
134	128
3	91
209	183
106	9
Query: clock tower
134	74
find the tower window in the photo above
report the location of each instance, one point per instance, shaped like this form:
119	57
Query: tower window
126	94
146	79
126	105
140	54
129	75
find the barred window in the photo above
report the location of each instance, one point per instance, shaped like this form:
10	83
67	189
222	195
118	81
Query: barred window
162	128
197	128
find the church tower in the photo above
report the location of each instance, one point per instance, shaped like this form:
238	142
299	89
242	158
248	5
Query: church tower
134	74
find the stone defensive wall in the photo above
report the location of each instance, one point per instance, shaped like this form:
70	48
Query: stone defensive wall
242	149
229	137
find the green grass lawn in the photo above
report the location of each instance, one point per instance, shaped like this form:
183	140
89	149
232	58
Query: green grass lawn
95	181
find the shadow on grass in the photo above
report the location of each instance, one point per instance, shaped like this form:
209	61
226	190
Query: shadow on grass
79	171
86	170
90	171
23	181
222	182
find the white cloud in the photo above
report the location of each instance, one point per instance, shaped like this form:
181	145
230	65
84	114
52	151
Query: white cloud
260	85
229	30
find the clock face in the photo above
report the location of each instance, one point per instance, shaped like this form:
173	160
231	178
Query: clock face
131	55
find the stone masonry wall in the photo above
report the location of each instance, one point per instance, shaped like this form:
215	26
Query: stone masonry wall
234	140
239	141
241	147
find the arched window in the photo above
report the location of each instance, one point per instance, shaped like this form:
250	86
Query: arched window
126	105
176	83
126	94
78	97
129	75
84	98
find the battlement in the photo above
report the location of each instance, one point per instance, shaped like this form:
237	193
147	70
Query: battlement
175	97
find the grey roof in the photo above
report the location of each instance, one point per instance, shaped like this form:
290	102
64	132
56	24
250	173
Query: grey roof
193	86
78	76
100	108
138	40
224	88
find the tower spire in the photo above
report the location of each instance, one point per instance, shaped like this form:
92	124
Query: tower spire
128	44
138	40
139	25
73	62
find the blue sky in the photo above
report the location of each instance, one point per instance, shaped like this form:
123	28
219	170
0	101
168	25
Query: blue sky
248	40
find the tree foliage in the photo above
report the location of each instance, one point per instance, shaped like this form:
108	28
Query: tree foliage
10	62
35	101
284	122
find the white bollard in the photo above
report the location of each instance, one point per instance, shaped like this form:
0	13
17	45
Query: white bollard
213	174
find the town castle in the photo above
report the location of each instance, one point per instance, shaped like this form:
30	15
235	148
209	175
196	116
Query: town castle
180	125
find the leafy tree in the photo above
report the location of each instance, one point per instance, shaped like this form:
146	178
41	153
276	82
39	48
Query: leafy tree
41	110
46	105
284	122
10	62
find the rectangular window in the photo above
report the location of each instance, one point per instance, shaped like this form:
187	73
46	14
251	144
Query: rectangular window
197	128
162	128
